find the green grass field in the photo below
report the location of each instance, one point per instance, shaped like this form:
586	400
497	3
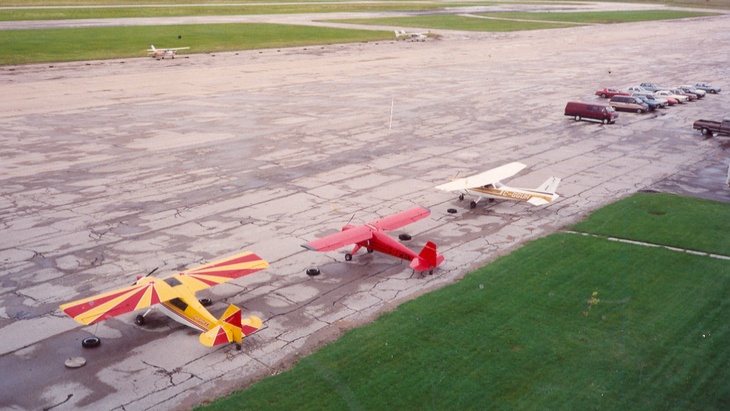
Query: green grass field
29	46
565	322
657	218
552	20
243	8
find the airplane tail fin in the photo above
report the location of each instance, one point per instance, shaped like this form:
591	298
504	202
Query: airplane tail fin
428	259
550	185
230	328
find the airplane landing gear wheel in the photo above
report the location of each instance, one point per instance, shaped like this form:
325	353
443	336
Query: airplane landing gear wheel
205	302
404	237
348	257
473	204
312	271
139	320
461	197
370	250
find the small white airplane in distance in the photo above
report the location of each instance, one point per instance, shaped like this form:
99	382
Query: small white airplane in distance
162	53
487	184
410	36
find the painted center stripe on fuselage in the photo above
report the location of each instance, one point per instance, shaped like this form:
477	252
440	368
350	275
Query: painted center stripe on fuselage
174	313
514	195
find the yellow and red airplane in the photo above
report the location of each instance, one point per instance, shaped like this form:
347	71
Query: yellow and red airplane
175	296
487	184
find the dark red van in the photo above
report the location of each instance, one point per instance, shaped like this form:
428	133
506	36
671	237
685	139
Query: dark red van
604	114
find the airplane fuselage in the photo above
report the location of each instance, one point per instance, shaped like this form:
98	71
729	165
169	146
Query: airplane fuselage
509	193
383	243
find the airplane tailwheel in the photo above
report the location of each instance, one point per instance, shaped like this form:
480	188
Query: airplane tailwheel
139	320
461	197
348	257
473	204
238	347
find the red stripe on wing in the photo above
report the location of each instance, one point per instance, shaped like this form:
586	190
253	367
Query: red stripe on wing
130	299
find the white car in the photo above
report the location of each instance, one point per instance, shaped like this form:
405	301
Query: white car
666	93
693	90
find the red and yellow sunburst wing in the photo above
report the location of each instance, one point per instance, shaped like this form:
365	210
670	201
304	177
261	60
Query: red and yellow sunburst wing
100	307
221	271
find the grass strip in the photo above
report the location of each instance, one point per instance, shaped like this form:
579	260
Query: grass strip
565	322
454	22
667	219
34	46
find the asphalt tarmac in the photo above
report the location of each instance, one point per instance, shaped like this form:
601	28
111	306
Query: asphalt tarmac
111	169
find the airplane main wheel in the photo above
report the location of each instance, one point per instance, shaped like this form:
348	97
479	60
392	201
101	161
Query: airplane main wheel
312	271
473	204
404	237
205	302
370	250
139	320
91	342
348	257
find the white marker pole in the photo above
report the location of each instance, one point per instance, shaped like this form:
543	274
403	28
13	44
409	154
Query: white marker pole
390	124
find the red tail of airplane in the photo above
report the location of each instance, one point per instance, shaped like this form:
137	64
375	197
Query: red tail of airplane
230	328
428	259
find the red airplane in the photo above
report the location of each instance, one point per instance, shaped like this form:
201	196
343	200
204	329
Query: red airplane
373	238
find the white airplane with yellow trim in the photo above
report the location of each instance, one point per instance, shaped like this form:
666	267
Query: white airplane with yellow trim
410	36
162	53
488	185
175	296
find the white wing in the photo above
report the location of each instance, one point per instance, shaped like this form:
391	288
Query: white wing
492	176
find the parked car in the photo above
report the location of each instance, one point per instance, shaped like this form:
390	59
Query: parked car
653	105
689	89
660	101
579	111
610	92
708	127
708	88
638	89
628	103
678	92
651	87
668	94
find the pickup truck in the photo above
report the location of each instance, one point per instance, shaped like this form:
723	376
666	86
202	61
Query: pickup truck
708	127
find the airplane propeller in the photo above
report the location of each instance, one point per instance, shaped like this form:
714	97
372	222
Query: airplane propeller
139	277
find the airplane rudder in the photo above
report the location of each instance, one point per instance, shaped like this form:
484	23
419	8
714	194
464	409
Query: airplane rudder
232	316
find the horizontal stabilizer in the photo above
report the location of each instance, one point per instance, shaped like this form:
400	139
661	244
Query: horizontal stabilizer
230	328
536	201
428	259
